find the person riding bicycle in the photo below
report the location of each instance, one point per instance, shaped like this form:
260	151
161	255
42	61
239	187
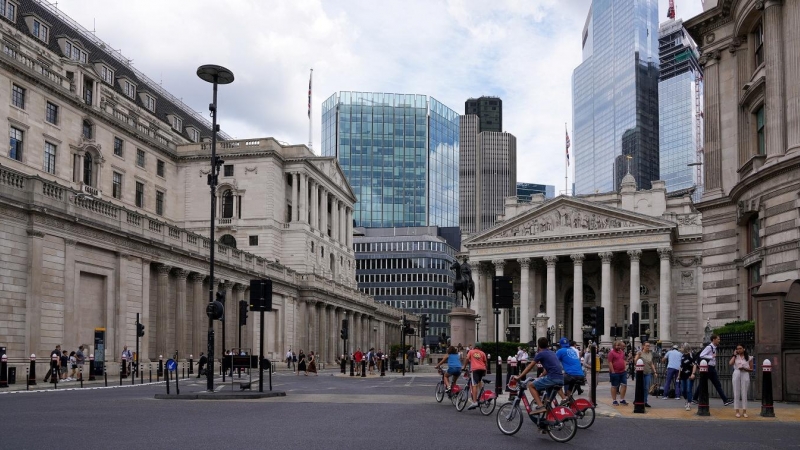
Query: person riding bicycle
552	375
476	360
573	369
453	366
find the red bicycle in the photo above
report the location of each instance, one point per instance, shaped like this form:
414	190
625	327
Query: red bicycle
486	398
557	421
441	391
581	407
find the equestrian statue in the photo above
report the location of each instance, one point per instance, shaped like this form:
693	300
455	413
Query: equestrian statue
463	282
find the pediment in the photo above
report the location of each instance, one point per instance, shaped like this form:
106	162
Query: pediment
565	216
329	166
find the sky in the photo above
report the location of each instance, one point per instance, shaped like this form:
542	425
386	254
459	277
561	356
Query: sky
523	51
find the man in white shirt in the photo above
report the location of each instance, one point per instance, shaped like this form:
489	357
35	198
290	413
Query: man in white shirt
289	358
709	354
673	361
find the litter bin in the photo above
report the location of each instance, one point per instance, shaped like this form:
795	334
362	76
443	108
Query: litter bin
12	375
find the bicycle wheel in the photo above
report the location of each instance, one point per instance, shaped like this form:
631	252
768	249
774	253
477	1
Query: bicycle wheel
487	406
509	419
563	431
461	400
584	419
440	392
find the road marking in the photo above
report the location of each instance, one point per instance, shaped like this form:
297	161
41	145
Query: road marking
410	381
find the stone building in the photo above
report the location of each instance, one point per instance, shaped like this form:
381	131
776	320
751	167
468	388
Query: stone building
104	204
628	251
750	51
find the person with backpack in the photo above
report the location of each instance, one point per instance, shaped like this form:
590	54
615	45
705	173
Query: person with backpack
687	376
709	355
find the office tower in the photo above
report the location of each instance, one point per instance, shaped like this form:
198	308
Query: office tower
615	96
489	111
400	155
525	190
488	174
680	93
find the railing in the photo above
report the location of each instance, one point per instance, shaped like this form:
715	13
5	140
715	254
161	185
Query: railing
224	221
191	238
94	192
96	206
35	66
53	190
134	219
154	226
174	233
13	179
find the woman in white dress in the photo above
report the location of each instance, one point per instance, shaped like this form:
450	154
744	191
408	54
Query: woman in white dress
742	366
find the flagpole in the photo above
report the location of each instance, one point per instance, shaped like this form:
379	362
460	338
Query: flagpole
310	141
566	165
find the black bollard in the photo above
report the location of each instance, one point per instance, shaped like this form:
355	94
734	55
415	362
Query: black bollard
638	400
3	371
105	375
383	366
123	371
28	383
54	372
363	368
177	388
344	365
91	367
766	390
489	364
191	366
32	371
352	367
80	371
160	370
150	368
702	391
166	378
498	382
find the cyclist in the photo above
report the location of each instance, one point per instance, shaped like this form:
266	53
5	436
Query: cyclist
453	366
476	360
573	370
552	375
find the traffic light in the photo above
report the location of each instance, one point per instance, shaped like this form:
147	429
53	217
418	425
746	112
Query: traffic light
424	325
344	329
216	309
600	323
140	329
593	317
635	325
502	292
242	313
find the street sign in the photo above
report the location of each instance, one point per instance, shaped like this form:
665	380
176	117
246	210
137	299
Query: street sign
172	366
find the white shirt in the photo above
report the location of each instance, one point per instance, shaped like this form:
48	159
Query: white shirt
710	354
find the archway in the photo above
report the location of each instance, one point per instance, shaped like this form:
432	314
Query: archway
228	240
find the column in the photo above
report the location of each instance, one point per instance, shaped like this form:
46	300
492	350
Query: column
775	89
313	326
79	172
33	297
200	328
524	300
343	238
70	309
145	318
605	297
324	205
303	198
635	283
488	316
792	70
478	301
163	309
366	335
334	218
295	190
300	329
551	289
333	334
740	48
181	316
577	296
246	342
324	324
665	296
712	159
350	229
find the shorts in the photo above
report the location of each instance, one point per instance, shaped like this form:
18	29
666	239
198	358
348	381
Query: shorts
618	379
577	379
453	370
477	376
542	384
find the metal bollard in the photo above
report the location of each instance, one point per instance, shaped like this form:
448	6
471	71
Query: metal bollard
766	390
702	391
80	370
638	400
54	372
27	375
191	365
383	366
91	367
352	367
498	382
123	371
32	371
4	371
489	365
160	370
363	368
105	375
150	368
344	365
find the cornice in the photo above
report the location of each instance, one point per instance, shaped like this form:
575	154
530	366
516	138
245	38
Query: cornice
518	240
764	173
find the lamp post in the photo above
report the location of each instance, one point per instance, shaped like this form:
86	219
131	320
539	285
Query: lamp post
560	329
508	334
533	330
215	75
477	328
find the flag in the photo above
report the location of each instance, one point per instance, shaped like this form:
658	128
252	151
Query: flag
565	131
309	93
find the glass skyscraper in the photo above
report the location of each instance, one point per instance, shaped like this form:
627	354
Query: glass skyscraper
615	96
525	190
399	153
680	93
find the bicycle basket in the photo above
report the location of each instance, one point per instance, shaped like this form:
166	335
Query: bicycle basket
513	385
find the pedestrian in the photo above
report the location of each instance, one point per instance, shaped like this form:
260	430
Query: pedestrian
411	353
289	358
646	355
201	364
422	353
127	356
371	359
312	364
63	366
617	373
687	375
358	356
709	355
73	364
742	366
301	363
54	363
673	361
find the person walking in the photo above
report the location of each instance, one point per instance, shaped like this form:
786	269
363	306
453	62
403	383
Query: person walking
80	358
73	364
63	365
673	361
411	354
312	364
289	358
301	363
617	373
646	355
54	363
742	366
709	354
201	364
687	375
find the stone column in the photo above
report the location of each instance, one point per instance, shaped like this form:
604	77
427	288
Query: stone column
33	297
70	308
200	325
162	323
740	49
775	89
551	289
295	195
335	220
301	326
791	60
712	159
366	336
324	214
350	229
665	296
231	321
577	297
303	198
333	333
324	324
313	325
479	301
344	237
181	315
145	318
605	297
635	283
524	300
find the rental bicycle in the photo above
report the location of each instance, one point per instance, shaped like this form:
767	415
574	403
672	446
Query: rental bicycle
582	408
557	421
441	391
486	399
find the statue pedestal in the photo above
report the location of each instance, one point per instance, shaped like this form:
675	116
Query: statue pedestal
541	326
462	326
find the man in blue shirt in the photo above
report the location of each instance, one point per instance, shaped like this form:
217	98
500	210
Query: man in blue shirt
573	369
552	375
673	360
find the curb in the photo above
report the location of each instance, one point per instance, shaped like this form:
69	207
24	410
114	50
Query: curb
221	396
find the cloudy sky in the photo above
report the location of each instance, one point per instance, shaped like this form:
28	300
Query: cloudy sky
523	51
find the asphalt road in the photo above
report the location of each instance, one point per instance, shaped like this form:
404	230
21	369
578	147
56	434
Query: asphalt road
328	412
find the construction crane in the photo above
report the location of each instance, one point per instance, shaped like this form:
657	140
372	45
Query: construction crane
671	10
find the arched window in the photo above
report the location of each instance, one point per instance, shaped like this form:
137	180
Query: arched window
88	131
227	205
88	168
228	240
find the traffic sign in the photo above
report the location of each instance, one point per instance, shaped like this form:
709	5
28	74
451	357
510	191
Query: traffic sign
172	366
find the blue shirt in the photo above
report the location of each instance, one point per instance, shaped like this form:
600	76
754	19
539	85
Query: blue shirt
571	364
551	364
674	359
453	361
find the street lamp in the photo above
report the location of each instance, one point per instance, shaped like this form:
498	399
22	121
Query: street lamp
560	329
508	334
533	330
215	75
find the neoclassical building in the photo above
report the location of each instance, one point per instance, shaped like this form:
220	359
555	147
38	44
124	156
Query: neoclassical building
104	214
628	251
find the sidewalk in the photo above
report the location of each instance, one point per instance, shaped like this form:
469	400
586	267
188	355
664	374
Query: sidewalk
675	409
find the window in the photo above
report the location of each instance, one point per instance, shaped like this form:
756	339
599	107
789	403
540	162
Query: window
160	168
88	132
760	127
40	30
753	237
88	91
254	240
88	166
194	135
177	123
140	194
150	103
67	48
159	203
107	74
116	185
49	158
758	41
129	89
140	157
228	170
118	143
753	283
16	143
51	113
18	96
228	240
227	205
8	10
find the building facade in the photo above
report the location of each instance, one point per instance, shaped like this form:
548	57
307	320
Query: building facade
680	89
103	196
489	111
615	96
399	152
750	53
487	174
632	251
525	190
